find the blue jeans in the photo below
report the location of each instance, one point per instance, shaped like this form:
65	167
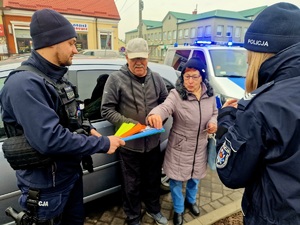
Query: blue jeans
177	195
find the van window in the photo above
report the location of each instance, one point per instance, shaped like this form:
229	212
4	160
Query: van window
227	62
180	58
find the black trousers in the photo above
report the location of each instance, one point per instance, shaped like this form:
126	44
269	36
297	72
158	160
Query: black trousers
141	173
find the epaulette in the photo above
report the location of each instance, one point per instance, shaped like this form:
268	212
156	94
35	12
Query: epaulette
248	98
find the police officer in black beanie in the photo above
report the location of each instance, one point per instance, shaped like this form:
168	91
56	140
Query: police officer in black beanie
40	105
258	138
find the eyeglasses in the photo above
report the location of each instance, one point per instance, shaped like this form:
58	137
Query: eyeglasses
193	77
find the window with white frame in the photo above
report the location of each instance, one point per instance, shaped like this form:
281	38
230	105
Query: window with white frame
245	30
220	29
186	33
169	35
180	34
207	31
229	31
238	32
165	35
193	32
200	32
174	34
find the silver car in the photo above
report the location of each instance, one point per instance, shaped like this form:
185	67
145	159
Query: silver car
106	176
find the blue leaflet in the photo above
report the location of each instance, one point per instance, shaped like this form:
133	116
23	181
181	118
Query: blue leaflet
147	132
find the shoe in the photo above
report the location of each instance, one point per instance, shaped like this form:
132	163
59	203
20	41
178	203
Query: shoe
178	218
135	221
193	208
158	217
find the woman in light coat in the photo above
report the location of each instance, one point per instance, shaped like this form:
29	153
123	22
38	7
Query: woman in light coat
193	107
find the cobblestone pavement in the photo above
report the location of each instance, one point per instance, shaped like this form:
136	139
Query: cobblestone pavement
212	195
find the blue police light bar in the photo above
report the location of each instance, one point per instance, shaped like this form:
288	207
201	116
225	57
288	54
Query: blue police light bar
203	42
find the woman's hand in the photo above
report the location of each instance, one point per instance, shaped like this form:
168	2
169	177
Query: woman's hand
211	128
155	121
231	102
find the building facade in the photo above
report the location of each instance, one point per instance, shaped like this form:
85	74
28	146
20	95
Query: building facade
218	27
95	29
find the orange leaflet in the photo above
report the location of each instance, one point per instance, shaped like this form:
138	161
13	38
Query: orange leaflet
136	129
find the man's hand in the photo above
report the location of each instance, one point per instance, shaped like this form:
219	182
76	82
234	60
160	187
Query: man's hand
95	133
155	121
115	142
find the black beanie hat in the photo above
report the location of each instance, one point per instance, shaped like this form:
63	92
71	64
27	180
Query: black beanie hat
49	27
274	29
197	64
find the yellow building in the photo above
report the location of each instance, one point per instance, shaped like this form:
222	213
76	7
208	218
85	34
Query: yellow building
96	23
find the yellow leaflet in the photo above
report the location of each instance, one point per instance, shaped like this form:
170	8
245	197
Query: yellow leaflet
124	128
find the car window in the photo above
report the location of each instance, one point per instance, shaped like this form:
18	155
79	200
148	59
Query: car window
180	58
86	81
169	85
93	102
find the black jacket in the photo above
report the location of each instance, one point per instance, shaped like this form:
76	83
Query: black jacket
127	100
29	101
259	143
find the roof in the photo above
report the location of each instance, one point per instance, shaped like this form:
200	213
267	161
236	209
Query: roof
152	23
252	12
90	8
181	16
217	13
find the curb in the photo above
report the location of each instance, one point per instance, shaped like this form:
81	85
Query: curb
217	214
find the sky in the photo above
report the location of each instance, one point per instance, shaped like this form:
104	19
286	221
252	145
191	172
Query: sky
158	9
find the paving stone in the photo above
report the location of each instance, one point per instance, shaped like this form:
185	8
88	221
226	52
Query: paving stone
107	216
216	204
205	191
208	208
204	200
188	217
225	200
212	195
235	195
117	221
215	196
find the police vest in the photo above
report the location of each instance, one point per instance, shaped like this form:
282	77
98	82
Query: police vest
17	150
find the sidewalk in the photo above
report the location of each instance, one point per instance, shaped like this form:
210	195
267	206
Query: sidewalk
214	199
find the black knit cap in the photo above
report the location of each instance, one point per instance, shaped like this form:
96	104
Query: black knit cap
197	64
274	29
49	27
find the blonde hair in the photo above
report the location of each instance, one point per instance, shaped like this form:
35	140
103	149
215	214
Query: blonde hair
255	60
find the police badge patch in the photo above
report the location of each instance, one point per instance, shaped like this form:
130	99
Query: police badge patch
223	155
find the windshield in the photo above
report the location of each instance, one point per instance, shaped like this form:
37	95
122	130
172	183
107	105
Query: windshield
229	62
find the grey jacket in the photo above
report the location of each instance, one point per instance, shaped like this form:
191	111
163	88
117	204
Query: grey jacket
186	154
126	99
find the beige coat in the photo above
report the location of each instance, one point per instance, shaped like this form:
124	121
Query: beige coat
186	153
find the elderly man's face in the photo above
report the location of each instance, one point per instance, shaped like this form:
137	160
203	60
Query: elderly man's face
138	66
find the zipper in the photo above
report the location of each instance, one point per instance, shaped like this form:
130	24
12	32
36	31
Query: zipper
196	149
53	167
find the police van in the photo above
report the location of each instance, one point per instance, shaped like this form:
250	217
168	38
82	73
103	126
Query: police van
226	66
